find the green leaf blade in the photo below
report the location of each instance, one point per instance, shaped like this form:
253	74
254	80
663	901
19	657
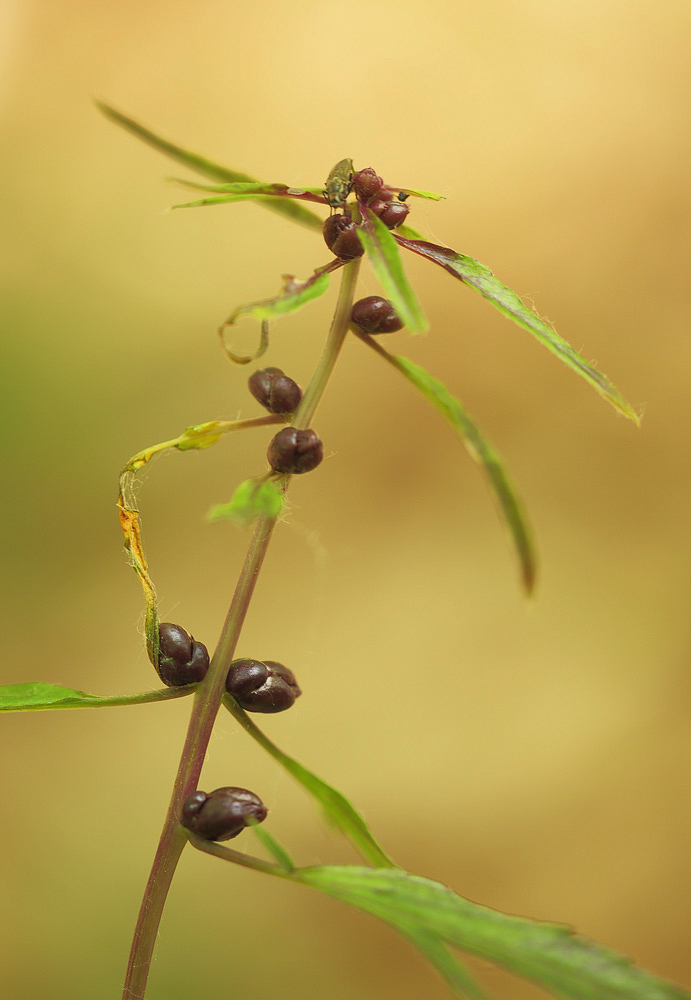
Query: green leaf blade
252	499
549	954
408	233
294	295
480	450
289	209
421	194
255	189
272	846
382	250
35	696
337	807
507	302
447	965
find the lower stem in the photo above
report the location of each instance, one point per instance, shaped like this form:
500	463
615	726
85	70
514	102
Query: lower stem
209	694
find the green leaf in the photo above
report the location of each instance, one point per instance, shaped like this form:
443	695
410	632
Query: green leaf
422	194
201	436
242	191
408	232
480	450
270	844
35	696
446	964
478	276
252	499
336	805
381	248
290	209
549	954
293	295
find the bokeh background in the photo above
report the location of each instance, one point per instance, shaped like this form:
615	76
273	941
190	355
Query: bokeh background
533	755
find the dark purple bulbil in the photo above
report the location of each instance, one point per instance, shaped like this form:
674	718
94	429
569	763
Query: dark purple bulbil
274	390
223	813
340	236
367	184
294	451
262	685
392	213
375	315
181	660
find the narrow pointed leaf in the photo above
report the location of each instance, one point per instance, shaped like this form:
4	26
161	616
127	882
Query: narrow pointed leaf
252	499
408	233
272	846
382	250
239	190
285	207
478	276
35	696
447	965
293	295
419	194
337	807
549	954
480	450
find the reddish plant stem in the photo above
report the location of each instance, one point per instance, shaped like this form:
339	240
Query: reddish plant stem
209	694
207	701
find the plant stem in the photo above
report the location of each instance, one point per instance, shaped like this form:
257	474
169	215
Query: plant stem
209	694
337	333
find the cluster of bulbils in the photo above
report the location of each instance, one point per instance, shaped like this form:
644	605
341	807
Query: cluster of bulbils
257	686
297	451
340	230
265	685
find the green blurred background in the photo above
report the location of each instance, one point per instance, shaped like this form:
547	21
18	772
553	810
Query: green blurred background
534	756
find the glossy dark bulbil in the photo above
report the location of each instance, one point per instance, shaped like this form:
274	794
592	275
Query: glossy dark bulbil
222	814
294	451
340	236
375	315
181	660
274	390
366	184
262	685
392	213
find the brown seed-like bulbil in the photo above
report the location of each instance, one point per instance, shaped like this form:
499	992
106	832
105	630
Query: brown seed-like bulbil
375	315
223	813
294	451
181	660
262	685
391	213
340	236
367	184
274	390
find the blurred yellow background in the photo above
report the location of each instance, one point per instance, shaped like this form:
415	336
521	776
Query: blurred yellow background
534	756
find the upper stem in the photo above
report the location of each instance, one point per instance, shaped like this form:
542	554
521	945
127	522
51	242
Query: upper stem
209	694
339	328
